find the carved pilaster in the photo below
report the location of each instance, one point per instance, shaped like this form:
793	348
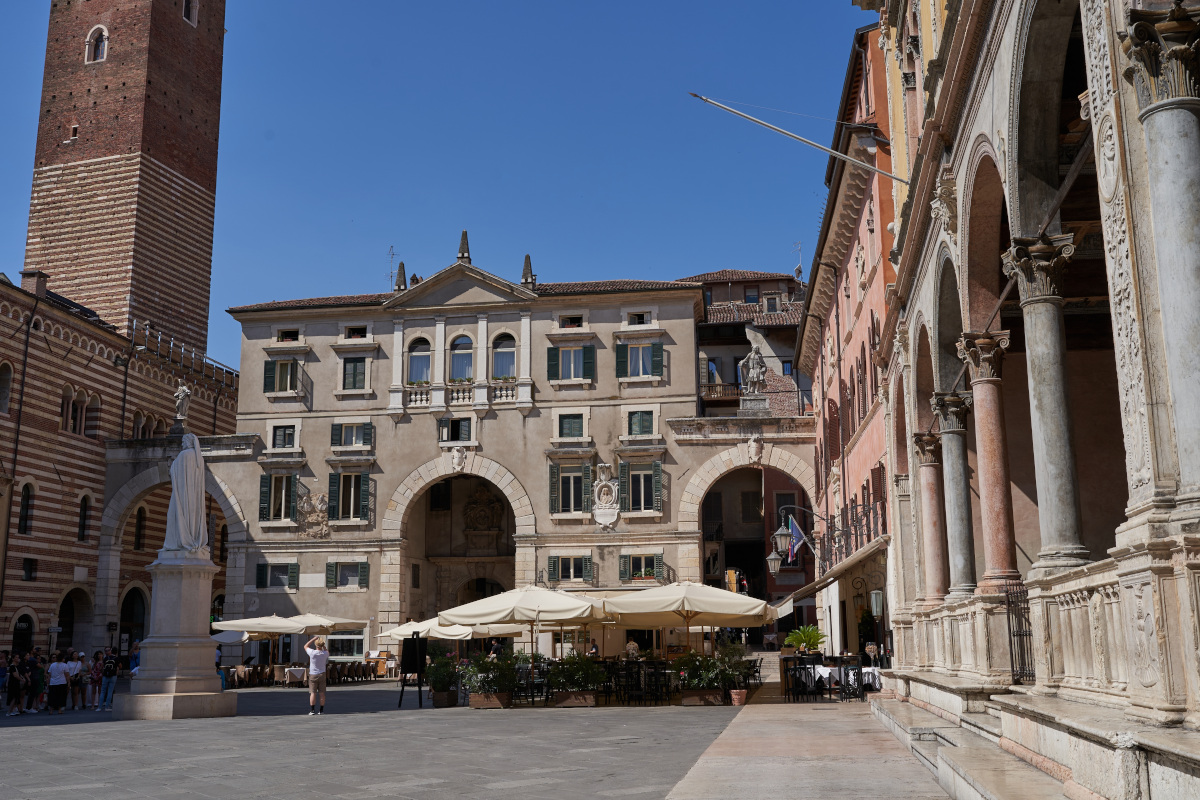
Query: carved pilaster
984	353
1038	265
1161	48
951	409
929	448
945	205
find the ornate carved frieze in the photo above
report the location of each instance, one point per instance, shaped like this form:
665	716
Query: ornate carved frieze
1038	265
1161	48
929	448
945	205
313	516
1142	634
984	353
951	409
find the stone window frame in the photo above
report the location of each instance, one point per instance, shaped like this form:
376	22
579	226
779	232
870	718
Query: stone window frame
355	348
361	419
450	337
353	588
194	20
583	441
652	310
652	438
272	424
91	495
493	335
272	559
87	45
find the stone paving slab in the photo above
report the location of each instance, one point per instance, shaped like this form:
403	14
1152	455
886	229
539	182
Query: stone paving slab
807	750
362	748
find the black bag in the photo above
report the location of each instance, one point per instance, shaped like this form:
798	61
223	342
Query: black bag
110	668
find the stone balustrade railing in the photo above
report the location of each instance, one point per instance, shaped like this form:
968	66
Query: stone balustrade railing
460	395
416	397
504	393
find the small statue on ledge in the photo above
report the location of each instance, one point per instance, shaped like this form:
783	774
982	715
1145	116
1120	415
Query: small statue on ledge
753	371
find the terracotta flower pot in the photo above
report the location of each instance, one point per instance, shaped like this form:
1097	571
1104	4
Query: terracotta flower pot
491	700
574	699
445	699
703	697
737	697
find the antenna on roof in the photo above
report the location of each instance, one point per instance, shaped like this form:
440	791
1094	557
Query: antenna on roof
391	260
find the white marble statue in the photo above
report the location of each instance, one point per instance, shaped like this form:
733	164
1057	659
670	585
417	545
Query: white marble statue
753	370
186	528
183	396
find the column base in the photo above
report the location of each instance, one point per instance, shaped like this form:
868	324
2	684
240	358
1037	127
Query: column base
929	603
192	705
994	582
1052	562
959	593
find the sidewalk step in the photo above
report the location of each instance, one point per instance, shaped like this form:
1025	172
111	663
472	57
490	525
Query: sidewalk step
989	773
984	725
926	752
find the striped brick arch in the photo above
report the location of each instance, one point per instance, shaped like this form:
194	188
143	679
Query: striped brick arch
735	458
126	499
395	518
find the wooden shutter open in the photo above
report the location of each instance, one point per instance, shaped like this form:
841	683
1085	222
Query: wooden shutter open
554	489
658	566
587	487
293	491
335	435
264	498
656	359
464	430
658	486
626	567
293	576
622	351
589	362
364	496
331	575
623	484
268	376
552	363
552	568
335	486
368	433
260	576
587	568
364	574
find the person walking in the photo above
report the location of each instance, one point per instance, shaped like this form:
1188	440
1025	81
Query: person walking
59	678
16	683
135	659
96	673
109	668
318	657
36	683
74	680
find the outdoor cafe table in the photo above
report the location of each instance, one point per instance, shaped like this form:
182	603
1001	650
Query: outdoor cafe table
870	676
295	674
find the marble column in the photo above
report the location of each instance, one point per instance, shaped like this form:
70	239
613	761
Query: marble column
951	411
984	354
933	521
1038	265
1165	71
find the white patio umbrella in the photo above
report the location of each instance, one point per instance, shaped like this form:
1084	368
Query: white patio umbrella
273	625
428	629
318	623
231	637
528	605
690	604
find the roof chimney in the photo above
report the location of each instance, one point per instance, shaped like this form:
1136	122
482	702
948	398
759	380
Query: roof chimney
528	279
34	281
464	252
401	282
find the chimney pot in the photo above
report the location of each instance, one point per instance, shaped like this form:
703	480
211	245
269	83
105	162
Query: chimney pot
34	281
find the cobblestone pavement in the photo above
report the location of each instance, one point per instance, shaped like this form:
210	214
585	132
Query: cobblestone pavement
363	747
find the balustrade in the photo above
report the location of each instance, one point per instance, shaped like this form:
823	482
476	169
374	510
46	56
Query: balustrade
504	393
460	395
417	397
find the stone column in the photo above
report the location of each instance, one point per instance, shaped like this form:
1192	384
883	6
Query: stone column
524	367
1165	71
1038	265
951	412
399	356
437	383
984	354
933	523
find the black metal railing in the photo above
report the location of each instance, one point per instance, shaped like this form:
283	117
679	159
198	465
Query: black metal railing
855	527
1020	631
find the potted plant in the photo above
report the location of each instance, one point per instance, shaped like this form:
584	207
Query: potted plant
443	682
490	681
806	637
574	681
733	657
703	679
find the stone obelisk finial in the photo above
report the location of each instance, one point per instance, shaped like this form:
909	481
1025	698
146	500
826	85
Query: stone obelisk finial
464	251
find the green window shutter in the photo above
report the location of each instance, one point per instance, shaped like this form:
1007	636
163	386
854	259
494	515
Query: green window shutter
335	485
260	576
552	568
554	488
587	568
268	376
626	567
656	359
623	484
658	486
464	430
551	363
368	433
364	498
633	424
335	435
589	362
331	575
658	566
293	490
443	430
622	360
264	498
587	487
364	574
293	576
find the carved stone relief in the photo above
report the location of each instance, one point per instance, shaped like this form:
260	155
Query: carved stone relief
1142	635
312	512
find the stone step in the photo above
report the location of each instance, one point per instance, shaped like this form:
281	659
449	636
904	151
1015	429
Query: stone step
908	722
992	709
989	773
984	725
926	752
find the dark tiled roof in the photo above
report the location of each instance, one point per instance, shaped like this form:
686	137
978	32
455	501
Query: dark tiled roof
727	275
607	287
319	302
789	314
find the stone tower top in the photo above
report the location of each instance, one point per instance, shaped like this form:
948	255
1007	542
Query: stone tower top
464	250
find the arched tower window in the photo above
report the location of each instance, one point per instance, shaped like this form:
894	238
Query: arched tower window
97	45
25	516
418	361
6	379
461	359
85	505
139	529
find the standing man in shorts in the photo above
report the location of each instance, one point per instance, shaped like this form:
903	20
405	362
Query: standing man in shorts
318	657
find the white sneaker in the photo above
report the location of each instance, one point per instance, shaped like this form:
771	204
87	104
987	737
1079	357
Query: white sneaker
312	713
97	708
31	711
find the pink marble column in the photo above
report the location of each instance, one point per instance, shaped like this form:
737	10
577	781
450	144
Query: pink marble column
933	520
984	354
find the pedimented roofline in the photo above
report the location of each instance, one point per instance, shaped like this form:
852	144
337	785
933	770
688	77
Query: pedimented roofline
412	296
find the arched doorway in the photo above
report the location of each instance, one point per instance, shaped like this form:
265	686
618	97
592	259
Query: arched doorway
74	618
133	619
23	634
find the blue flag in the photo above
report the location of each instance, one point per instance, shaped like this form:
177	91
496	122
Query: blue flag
797	538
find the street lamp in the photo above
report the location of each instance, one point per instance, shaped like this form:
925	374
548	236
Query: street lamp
773	562
782	539
876	603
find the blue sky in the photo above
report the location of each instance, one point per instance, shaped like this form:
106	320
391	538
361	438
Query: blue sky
563	130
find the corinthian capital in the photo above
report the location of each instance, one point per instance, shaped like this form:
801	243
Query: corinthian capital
984	353
929	448
951	409
1161	48
1038	264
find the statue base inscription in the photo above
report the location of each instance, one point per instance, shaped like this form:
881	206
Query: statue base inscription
754	405
177	678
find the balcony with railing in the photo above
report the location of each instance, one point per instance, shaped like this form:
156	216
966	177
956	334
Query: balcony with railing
460	395
847	532
718	392
503	392
417	396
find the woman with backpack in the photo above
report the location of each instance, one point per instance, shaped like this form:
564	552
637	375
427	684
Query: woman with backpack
109	668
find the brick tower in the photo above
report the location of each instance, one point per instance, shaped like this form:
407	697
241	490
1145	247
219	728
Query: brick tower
125	173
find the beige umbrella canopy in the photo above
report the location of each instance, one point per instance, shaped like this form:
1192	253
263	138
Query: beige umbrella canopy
687	604
528	604
270	625
317	623
430	629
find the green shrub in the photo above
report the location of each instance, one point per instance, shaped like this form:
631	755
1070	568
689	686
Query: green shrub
491	676
576	673
699	671
442	674
806	636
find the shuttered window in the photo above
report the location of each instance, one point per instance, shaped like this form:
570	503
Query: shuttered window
354	373
570	426
554	503
350	496
280	376
641	423
277	497
454	430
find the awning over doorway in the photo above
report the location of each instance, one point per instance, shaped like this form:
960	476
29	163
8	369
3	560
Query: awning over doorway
861	555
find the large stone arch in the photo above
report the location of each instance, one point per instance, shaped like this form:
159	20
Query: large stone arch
395	518
735	458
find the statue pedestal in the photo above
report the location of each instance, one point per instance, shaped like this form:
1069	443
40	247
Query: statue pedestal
177	678
753	405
